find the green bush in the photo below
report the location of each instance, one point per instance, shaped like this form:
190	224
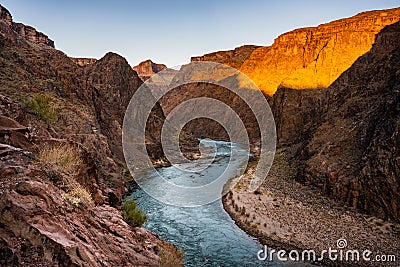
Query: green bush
41	106
132	215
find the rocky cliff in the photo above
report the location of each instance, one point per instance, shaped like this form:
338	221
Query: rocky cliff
24	32
233	58
346	137
148	68
314	57
61	164
308	59
207	128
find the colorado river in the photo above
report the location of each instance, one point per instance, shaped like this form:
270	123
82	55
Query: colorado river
206	234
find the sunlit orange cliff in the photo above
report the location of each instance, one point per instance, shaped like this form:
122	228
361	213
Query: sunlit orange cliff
309	58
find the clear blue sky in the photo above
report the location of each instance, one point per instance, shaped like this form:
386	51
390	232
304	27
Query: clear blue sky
171	32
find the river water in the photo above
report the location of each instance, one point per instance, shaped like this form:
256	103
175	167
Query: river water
206	234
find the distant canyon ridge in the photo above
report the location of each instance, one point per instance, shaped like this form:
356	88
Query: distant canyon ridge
308	58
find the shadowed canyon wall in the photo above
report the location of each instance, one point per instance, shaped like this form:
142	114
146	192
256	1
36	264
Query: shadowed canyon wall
346	137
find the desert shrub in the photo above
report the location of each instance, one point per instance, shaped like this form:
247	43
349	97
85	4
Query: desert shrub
132	215
41	106
170	257
78	195
63	157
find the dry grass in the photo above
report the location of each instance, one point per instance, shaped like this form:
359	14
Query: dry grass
170	257
66	158
78	195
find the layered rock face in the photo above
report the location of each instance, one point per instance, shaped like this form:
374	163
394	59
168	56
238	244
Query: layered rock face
233	58
346	137
33	36
50	216
28	33
148	68
312	58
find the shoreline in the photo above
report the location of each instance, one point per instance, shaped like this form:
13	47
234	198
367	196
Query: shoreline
284	214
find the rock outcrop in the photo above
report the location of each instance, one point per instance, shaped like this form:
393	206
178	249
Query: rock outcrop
148	68
41	227
233	58
32	35
52	216
112	84
27	33
5	16
83	61
346	137
314	57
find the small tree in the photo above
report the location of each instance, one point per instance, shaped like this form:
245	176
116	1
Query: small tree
132	215
41	106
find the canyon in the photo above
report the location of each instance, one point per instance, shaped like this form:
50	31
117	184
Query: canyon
346	136
333	98
334	91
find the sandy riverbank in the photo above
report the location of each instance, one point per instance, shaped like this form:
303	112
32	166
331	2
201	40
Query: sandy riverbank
283	213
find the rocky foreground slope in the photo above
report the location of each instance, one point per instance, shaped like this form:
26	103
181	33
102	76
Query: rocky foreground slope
62	171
